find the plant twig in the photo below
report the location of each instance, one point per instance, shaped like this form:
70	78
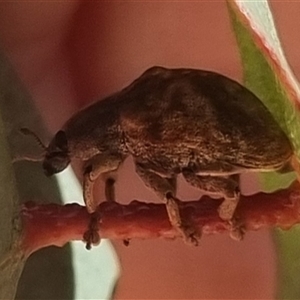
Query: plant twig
53	224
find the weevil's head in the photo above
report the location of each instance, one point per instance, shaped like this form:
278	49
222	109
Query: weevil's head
57	155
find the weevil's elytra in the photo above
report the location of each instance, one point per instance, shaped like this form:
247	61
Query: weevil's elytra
171	121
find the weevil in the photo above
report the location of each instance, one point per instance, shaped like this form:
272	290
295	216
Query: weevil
197	123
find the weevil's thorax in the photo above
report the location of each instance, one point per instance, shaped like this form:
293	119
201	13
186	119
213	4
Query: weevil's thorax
95	130
101	140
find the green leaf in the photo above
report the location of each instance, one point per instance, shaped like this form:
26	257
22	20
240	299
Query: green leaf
265	78
260	77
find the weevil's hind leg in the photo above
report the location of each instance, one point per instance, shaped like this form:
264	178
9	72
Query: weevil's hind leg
94	167
227	210
231	192
228	187
165	188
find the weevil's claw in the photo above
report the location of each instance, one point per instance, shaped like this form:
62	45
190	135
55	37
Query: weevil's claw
227	213
91	236
237	229
189	232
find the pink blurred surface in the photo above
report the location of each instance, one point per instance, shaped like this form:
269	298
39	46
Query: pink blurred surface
71	53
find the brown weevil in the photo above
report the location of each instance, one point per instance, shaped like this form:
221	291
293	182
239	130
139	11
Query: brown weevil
197	123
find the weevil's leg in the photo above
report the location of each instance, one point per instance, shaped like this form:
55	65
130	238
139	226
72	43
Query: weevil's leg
223	186
165	188
91	236
228	187
99	164
231	195
93	169
110	194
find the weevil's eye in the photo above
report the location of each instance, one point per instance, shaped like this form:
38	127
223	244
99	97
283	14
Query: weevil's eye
55	163
61	142
57	155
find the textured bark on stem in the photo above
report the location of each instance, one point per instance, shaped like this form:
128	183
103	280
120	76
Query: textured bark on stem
52	224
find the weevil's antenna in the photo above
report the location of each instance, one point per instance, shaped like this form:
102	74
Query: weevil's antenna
27	158
27	131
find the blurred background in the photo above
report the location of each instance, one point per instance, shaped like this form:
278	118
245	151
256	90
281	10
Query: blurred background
71	53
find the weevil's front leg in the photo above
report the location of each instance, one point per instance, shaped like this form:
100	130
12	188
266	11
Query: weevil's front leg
228	187
94	167
165	188
110	194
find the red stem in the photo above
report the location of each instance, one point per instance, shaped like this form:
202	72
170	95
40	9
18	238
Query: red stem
53	224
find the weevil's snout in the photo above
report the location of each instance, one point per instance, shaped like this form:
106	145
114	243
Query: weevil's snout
57	155
55	163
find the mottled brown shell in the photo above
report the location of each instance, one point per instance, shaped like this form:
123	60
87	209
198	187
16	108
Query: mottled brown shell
180	116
